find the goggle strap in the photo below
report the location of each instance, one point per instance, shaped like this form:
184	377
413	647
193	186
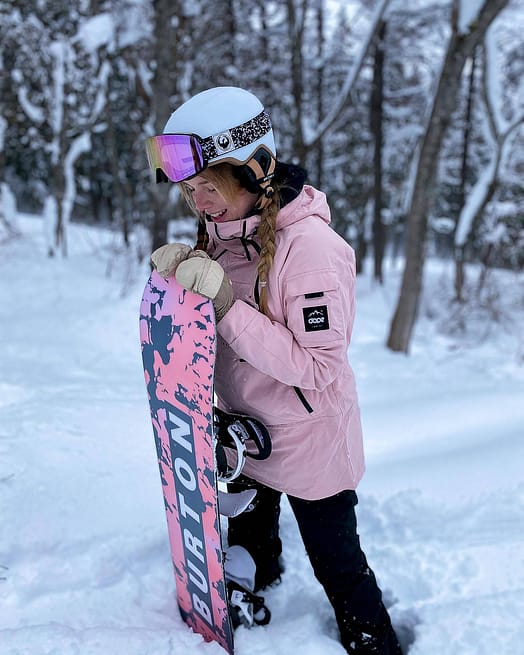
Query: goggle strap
237	137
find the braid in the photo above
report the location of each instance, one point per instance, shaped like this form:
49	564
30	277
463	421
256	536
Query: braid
202	236
266	233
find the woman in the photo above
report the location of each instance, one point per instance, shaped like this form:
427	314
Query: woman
282	283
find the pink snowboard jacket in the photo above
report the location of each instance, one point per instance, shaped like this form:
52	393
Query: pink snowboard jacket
292	372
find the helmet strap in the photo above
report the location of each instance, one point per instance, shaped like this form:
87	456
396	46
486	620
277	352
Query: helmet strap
256	176
265	198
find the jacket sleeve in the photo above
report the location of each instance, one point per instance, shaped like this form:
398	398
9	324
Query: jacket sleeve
310	348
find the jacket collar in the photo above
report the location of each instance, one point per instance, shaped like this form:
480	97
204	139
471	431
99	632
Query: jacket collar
236	236
240	236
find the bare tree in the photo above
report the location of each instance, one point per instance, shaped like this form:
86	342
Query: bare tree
461	45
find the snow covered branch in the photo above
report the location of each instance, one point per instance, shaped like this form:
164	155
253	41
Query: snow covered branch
351	77
492	82
101	95
34	113
78	147
498	134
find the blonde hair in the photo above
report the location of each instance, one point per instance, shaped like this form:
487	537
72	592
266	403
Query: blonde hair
266	232
223	179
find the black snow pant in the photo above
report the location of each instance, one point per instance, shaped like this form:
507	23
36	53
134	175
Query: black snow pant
329	531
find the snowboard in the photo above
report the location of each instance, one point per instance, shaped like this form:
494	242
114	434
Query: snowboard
178	339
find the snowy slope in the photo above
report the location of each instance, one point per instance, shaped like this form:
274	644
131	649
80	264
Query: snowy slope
83	541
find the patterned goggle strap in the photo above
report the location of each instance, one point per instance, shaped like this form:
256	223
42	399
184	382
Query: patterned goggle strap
237	137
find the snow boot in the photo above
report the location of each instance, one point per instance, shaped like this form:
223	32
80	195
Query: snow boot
246	608
360	638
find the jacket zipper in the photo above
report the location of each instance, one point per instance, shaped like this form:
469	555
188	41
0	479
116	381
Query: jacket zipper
303	400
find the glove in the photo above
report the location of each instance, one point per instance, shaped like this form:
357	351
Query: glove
201	274
166	258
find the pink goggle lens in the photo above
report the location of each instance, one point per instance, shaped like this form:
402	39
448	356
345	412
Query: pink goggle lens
178	156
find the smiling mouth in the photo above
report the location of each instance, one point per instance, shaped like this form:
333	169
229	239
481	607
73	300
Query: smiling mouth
217	215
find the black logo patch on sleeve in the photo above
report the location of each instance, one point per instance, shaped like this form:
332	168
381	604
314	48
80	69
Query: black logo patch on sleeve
316	318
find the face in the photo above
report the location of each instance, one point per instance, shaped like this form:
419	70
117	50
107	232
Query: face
208	199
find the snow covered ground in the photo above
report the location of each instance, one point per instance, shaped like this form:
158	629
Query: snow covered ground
84	557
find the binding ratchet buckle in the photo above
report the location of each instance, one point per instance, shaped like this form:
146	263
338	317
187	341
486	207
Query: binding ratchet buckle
236	432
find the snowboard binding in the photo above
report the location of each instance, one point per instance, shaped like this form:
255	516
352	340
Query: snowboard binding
245	607
236	432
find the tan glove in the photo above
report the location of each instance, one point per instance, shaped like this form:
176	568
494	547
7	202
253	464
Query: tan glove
166	258
201	274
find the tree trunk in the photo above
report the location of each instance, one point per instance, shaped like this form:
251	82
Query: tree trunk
460	47
361	252
460	251
296	34
265	63
377	98
119	212
169	27
57	187
319	92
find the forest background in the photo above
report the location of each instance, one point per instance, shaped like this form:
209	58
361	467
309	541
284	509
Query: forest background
409	115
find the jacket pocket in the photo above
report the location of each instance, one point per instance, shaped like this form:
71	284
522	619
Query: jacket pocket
314	308
303	400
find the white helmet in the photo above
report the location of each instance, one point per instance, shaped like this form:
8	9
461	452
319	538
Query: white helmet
224	124
231	120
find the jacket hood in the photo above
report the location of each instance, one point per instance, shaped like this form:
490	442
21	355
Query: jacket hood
309	202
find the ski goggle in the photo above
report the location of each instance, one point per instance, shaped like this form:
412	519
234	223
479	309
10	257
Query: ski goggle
182	156
178	156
